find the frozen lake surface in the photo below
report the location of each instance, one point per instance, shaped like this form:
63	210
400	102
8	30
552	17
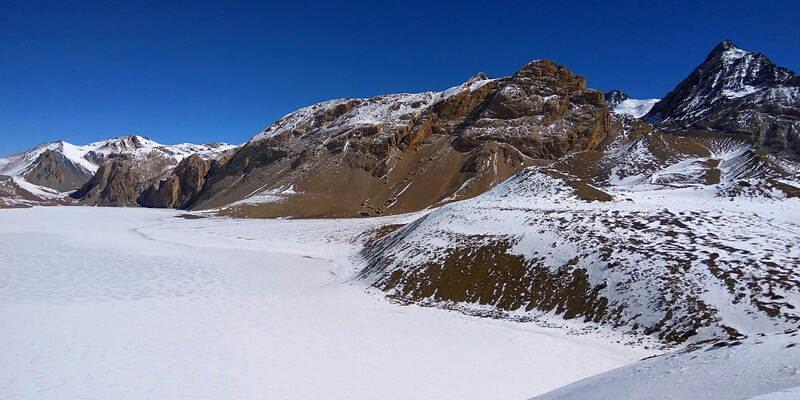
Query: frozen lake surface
109	303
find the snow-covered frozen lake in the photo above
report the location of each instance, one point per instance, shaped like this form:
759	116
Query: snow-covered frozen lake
111	303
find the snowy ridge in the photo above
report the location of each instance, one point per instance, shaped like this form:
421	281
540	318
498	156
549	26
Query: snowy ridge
18	164
634	107
87	156
621	104
737	73
652	242
63	167
736	92
140	148
351	114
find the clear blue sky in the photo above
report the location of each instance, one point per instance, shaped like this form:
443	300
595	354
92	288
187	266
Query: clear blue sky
198	71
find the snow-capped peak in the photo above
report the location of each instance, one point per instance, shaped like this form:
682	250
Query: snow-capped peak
620	103
735	91
90	156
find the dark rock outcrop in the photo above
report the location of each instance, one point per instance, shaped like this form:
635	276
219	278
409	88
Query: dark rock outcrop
116	183
543	110
614	97
181	187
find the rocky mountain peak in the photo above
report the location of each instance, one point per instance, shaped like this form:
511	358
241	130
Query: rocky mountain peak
546	72
405	152
129	142
615	97
480	76
738	92
724	46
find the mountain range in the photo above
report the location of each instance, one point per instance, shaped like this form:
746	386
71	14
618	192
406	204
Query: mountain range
406	152
114	172
668	217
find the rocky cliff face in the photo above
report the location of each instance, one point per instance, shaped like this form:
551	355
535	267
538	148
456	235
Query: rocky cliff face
116	183
404	152
138	171
181	187
544	111
738	92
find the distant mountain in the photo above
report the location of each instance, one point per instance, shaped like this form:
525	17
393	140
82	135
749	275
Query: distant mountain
51	171
405	152
736	92
620	103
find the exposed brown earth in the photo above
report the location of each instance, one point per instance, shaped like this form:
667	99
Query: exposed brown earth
180	188
116	183
415	151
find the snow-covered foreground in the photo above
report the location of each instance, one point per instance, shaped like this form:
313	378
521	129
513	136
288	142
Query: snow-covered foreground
763	367
131	303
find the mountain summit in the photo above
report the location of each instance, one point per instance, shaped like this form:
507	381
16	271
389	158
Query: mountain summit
737	92
620	103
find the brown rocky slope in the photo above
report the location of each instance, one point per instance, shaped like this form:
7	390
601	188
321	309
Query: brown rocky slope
405	152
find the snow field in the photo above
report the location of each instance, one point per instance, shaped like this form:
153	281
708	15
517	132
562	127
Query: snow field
132	303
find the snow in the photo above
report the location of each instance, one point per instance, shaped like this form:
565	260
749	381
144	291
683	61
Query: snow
739	92
41	192
634	107
389	109
143	305
543	220
261	196
786	394
764	368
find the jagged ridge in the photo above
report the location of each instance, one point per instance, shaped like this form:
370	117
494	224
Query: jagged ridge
739	92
